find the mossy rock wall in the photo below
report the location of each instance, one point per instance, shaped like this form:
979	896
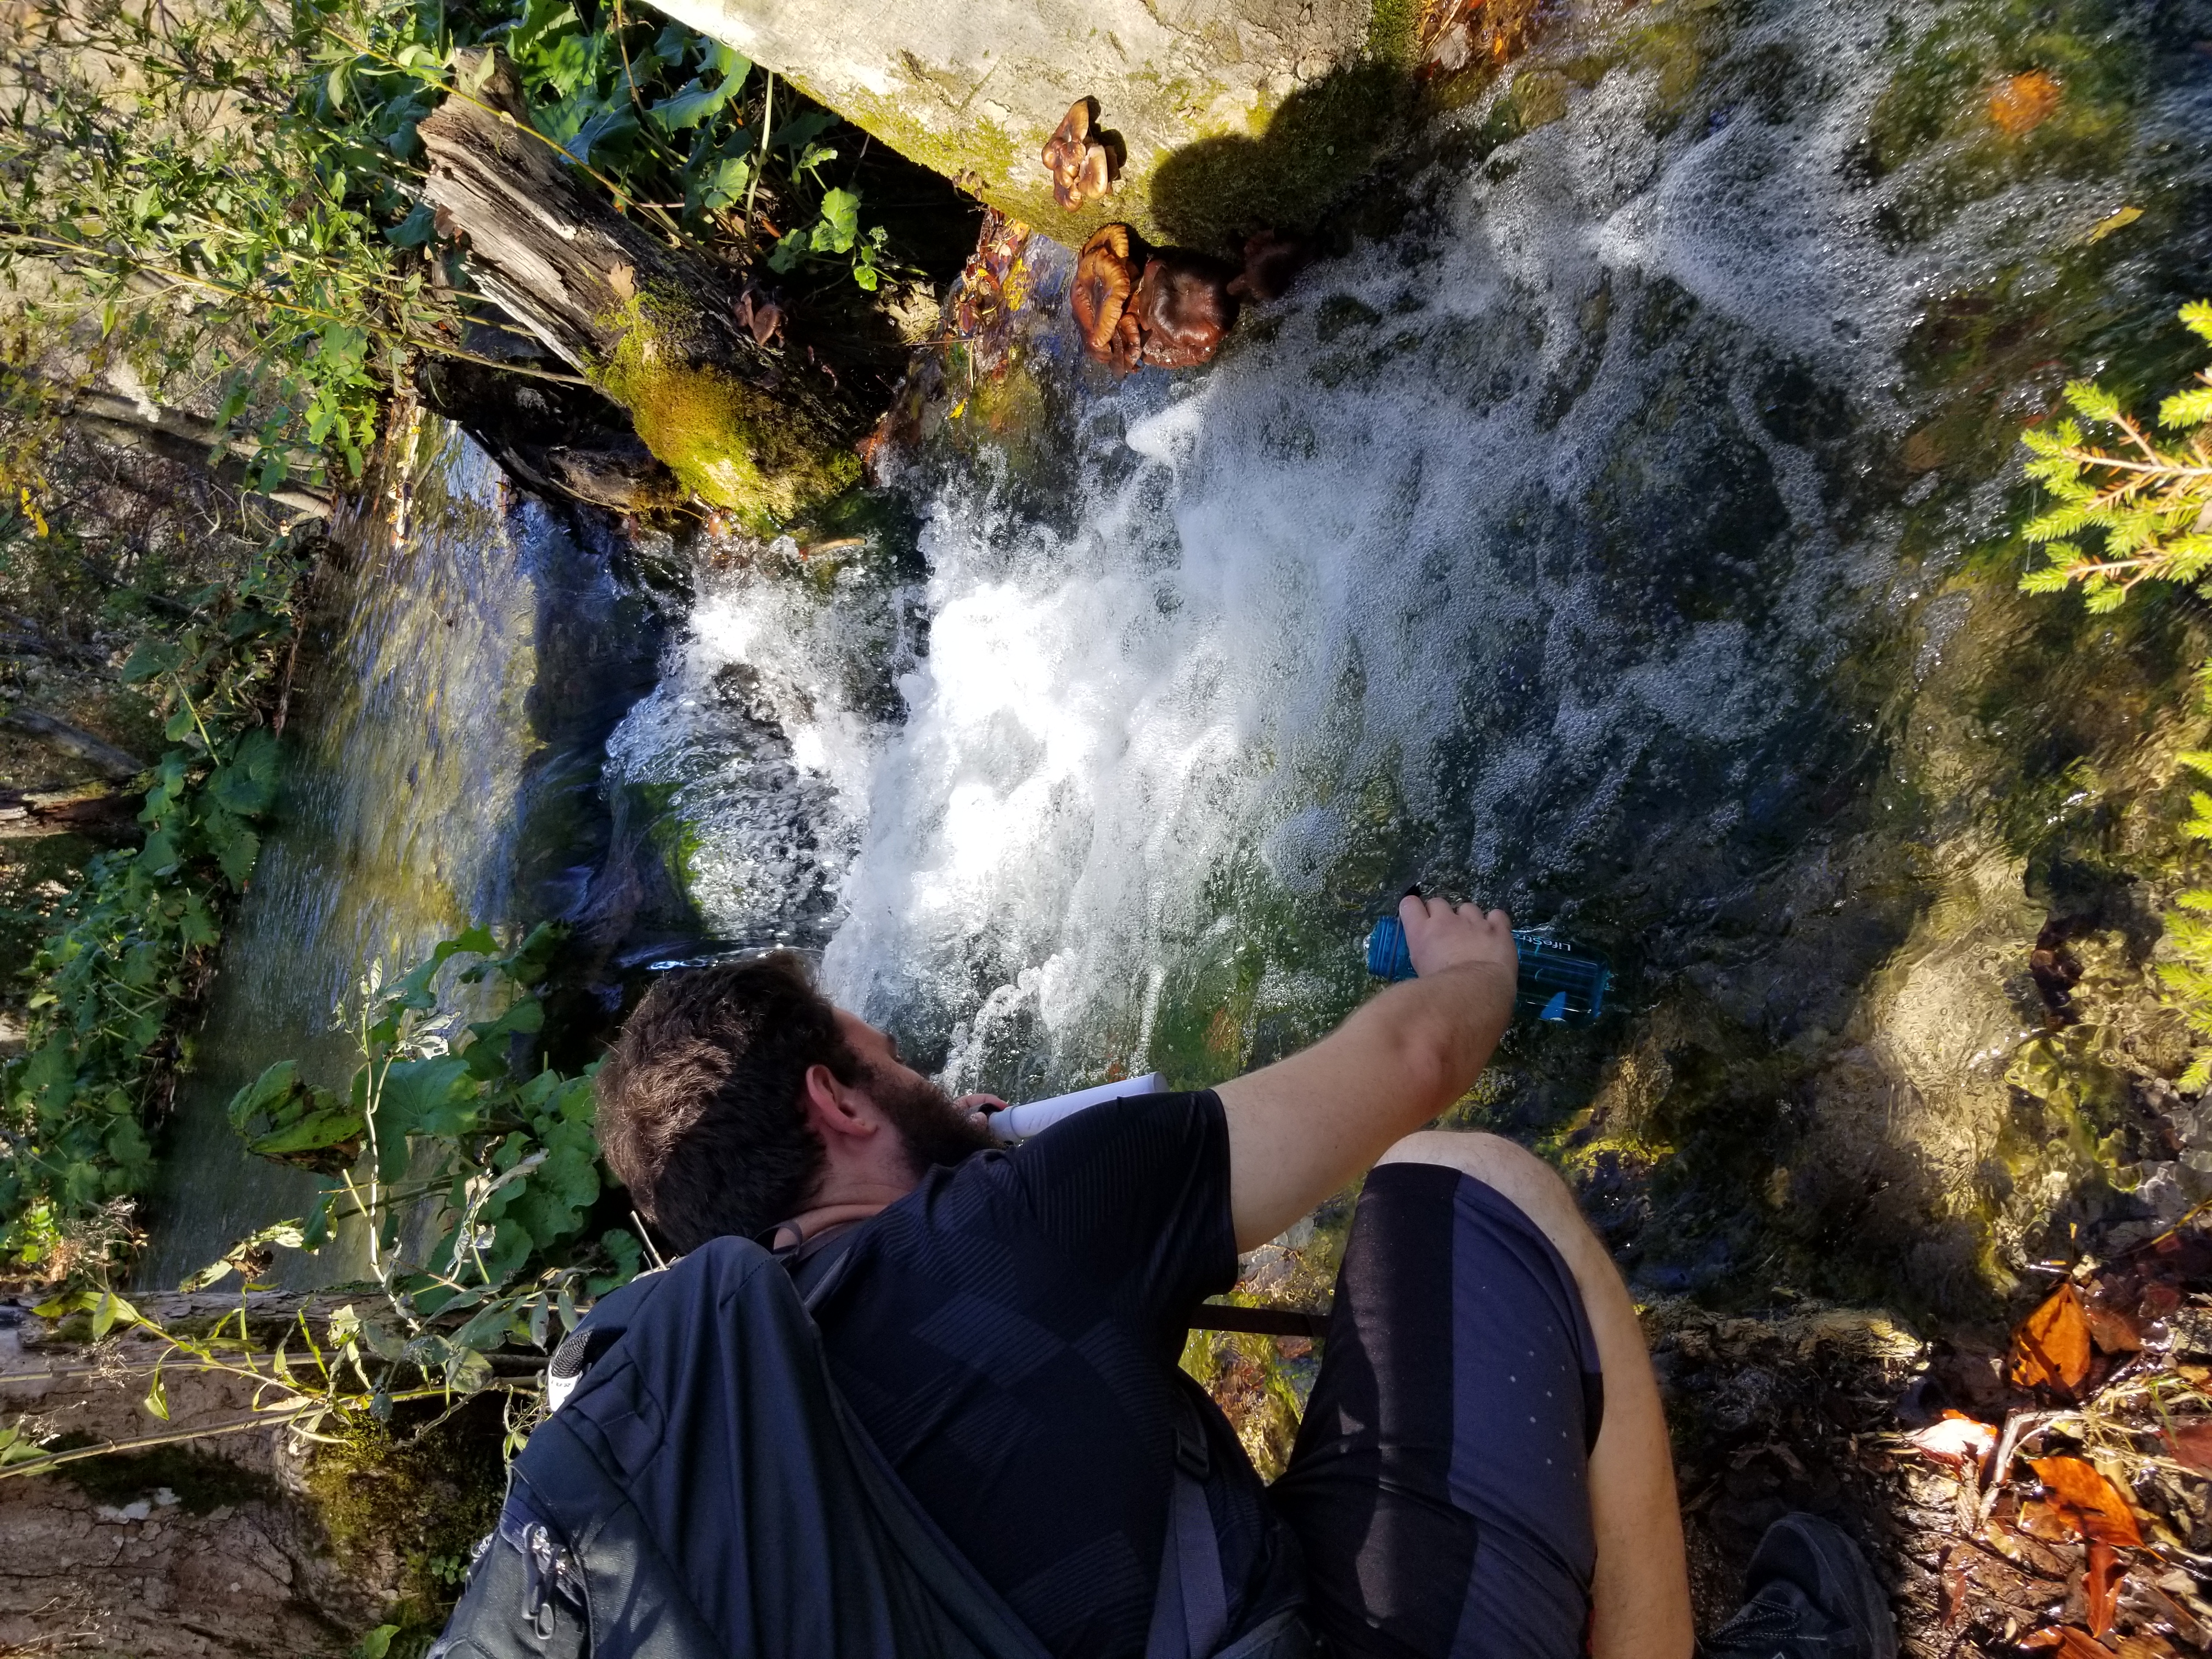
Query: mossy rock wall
1233	112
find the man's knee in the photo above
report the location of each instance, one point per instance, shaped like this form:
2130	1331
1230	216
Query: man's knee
1533	1185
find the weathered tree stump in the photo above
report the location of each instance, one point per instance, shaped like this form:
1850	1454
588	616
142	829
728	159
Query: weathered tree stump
744	427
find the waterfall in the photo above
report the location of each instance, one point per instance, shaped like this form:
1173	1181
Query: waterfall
1515	553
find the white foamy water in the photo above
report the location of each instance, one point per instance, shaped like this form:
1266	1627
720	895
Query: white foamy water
1510	554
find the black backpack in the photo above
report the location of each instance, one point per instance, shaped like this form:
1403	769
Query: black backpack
702	1491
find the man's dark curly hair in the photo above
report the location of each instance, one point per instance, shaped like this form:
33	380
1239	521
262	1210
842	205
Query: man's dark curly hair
700	1113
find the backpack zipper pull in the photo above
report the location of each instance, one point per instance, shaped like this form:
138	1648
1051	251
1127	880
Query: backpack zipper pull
539	1562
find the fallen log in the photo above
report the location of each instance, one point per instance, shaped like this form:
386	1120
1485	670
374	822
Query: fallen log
103	757
745	427
99	812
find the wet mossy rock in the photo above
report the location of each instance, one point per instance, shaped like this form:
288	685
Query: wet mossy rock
1230	114
761	431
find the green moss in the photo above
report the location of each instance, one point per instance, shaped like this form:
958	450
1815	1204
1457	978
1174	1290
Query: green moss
1394	32
731	444
427	1493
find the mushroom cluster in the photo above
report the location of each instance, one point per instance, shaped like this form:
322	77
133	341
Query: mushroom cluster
1169	306
1081	164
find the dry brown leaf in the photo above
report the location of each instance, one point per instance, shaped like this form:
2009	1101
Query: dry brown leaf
2047	1522
2101	1586
2191	1443
2113	1332
2050	1346
2093	1504
2147	1644
1954	1587
2025	102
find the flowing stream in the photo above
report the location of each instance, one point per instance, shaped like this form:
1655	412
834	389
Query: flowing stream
443	768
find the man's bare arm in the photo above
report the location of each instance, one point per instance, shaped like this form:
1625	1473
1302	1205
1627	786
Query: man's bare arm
1302	1127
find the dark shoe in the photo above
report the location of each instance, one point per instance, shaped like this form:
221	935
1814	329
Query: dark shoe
1811	1595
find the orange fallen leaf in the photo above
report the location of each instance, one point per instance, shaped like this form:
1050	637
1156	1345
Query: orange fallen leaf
2100	1585
1956	1440
2191	1443
2025	102
2094	1504
2050	1346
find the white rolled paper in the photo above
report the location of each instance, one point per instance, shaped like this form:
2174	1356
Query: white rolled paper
1019	1122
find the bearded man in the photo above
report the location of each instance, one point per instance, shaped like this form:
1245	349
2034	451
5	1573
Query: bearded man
1482	1469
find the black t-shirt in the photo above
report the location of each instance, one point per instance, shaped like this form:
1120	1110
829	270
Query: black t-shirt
1008	1334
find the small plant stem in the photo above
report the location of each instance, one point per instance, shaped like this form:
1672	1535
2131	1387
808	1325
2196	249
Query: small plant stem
2160	464
759	157
186	697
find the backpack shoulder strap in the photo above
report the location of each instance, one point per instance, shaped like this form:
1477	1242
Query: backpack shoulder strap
1190	1610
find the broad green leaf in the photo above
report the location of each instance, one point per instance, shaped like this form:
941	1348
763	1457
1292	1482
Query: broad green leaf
111	1310
413	1089
696	102
247	781
233	842
840	223
416	229
266	1094
333	1129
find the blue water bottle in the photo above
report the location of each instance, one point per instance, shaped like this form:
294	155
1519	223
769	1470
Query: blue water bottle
1558	981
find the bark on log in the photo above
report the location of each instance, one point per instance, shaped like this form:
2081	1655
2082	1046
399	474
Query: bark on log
101	756
98	811
743	427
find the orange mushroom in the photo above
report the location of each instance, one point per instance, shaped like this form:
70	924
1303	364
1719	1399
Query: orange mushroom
1184	305
1082	166
1107	273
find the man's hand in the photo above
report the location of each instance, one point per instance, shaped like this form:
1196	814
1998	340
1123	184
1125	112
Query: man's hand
1302	1127
1439	936
979	1108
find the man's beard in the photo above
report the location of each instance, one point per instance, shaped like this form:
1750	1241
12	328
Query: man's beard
933	1130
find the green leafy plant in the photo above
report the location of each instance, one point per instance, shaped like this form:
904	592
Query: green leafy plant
467	1176
2149	503
448	1112
132	941
2152	505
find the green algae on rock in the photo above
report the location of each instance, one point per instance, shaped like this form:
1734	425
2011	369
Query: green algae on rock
728	440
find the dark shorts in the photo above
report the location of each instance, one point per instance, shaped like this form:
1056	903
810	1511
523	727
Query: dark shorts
1440	1483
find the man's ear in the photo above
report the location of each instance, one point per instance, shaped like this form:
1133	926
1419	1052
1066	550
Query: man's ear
834	1109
